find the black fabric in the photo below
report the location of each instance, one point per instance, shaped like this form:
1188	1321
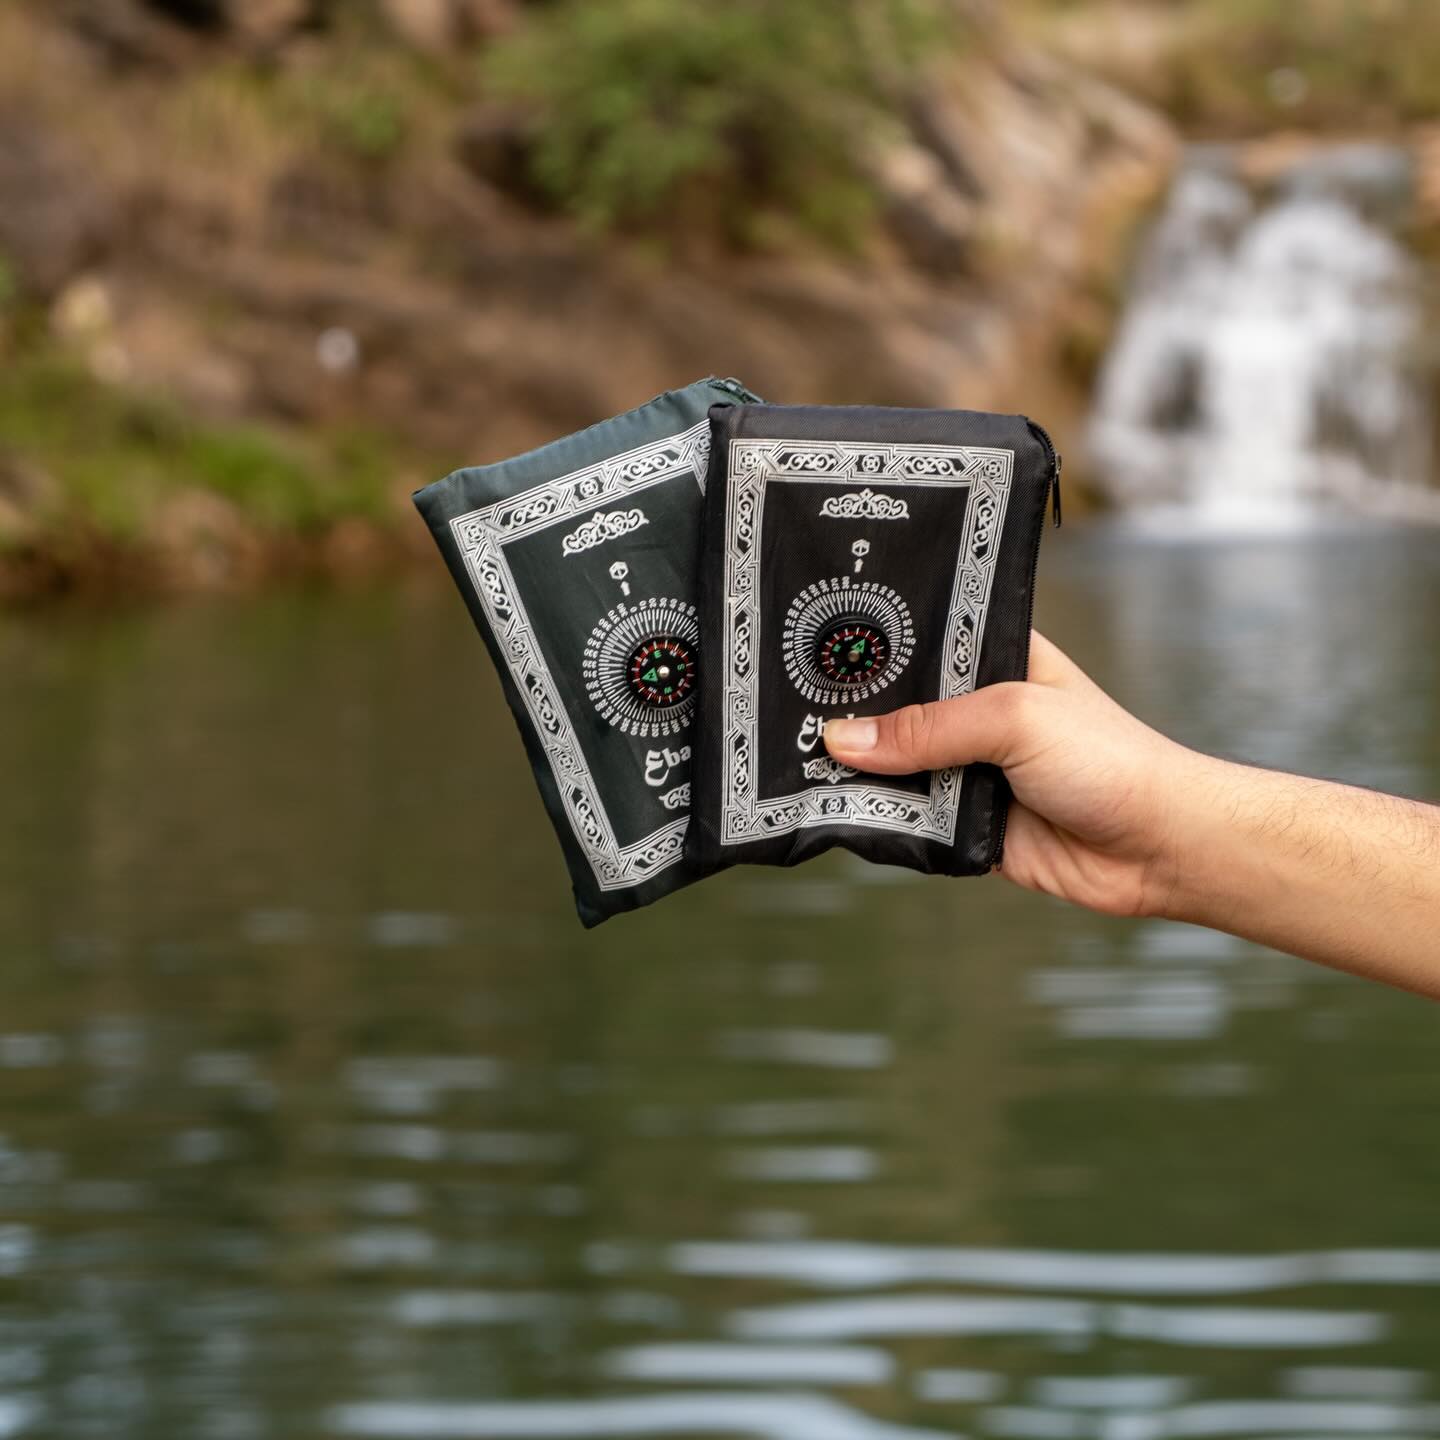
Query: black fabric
854	560
576	560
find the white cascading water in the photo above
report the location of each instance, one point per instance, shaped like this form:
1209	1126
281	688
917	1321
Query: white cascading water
1267	369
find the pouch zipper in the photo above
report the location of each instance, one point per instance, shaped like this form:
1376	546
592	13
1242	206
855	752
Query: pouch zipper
1056	462
738	390
1052	486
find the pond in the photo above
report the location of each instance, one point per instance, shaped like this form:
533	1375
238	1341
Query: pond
321	1116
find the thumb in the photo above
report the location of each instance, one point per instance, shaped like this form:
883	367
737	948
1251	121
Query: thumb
983	726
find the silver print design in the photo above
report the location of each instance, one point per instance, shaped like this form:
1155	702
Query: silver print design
816	608
606	665
755	464
828	769
482	536
602	527
865	505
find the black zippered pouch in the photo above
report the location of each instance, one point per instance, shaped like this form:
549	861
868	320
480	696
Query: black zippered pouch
855	560
578	564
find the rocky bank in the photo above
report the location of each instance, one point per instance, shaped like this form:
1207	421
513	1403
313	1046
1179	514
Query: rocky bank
226	212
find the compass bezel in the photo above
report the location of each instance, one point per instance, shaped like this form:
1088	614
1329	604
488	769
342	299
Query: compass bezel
818	611
853	627
650	693
617	638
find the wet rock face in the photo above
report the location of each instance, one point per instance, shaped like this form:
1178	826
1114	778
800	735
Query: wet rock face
55	218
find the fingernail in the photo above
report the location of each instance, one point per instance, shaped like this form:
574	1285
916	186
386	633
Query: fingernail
852	735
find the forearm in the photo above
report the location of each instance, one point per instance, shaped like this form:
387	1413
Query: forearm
1338	875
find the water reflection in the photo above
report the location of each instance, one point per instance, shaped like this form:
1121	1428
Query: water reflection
772	1417
834	1265
323	1117
1216	1327
708	1363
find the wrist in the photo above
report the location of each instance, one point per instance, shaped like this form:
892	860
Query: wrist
1197	855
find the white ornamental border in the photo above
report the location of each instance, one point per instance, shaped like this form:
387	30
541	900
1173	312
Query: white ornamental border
482	536
752	466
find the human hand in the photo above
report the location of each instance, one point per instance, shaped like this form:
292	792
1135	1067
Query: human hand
1111	815
1095	789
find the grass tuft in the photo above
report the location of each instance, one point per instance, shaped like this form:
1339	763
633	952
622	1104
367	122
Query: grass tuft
133	452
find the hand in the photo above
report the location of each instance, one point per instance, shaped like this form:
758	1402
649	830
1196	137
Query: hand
1111	815
1091	819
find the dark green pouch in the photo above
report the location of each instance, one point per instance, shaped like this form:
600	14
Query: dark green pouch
578	564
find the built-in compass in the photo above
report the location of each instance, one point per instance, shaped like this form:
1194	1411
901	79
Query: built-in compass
844	640
853	652
639	666
662	671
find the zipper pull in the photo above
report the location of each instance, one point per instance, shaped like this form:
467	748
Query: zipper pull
1055	490
737	389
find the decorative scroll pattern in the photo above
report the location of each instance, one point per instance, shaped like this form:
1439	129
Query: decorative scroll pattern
865	505
482	536
827	768
678	798
602	526
754	464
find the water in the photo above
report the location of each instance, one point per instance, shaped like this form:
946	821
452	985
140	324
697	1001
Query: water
1271	363
321	1117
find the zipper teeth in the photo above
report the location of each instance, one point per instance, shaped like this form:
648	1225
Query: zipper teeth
737	388
1052	479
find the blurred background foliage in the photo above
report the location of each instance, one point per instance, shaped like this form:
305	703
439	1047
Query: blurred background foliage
287	259
642	106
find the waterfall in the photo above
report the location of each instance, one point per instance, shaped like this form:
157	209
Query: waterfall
1267	368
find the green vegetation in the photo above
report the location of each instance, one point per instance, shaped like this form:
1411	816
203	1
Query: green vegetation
111	458
1246	65
361	115
728	109
364	102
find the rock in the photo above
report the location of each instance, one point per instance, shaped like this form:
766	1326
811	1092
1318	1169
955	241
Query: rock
440	25
129	34
84	310
1426	147
266	24
55	217
202	542
488	19
25	487
933	222
935	127
27	495
154	32
84	315
434	25
352	547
